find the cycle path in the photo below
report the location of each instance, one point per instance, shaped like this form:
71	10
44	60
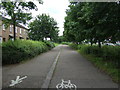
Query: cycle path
72	66
35	69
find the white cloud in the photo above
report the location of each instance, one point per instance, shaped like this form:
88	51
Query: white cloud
55	8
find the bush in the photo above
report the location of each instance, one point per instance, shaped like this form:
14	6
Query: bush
84	48
108	53
65	43
20	50
49	44
74	46
56	44
111	53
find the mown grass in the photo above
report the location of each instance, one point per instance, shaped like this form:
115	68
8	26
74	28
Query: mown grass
21	50
105	58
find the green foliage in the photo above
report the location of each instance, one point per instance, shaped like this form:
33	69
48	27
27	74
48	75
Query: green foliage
95	50
94	22
84	48
16	12
20	50
107	53
43	27
56	44
49	44
111	53
74	46
66	43
61	39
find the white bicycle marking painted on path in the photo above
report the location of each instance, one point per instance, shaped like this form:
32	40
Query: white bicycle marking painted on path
66	85
17	81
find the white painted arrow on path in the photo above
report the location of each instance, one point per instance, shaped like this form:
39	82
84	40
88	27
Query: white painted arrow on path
17	81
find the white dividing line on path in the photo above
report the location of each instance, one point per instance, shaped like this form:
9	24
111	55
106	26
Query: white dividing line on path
50	74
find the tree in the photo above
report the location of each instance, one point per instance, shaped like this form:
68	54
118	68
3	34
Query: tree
43	27
103	19
95	22
73	31
16	12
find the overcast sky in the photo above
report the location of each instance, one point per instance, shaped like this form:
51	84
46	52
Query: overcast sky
56	9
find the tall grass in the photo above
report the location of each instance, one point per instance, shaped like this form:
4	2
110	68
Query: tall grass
20	50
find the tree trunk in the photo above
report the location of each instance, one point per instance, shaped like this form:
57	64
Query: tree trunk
99	44
14	24
91	42
14	32
50	38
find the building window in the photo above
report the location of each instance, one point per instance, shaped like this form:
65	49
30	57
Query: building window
3	39
25	32
20	30
11	37
11	27
3	26
16	29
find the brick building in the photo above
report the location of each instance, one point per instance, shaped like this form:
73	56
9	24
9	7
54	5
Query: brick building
7	33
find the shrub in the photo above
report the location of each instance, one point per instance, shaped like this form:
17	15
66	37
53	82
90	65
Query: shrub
49	44
95	50
19	50
65	43
56	44
108	53
84	48
74	46
111	53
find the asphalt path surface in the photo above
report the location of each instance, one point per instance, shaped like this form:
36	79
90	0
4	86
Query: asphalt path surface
49	69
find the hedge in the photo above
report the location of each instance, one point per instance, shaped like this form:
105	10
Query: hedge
49	44
107	53
20	50
65	43
74	46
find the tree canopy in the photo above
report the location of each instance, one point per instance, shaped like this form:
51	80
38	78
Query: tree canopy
92	21
43	27
18	12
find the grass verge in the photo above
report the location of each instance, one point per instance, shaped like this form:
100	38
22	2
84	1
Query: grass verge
106	67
